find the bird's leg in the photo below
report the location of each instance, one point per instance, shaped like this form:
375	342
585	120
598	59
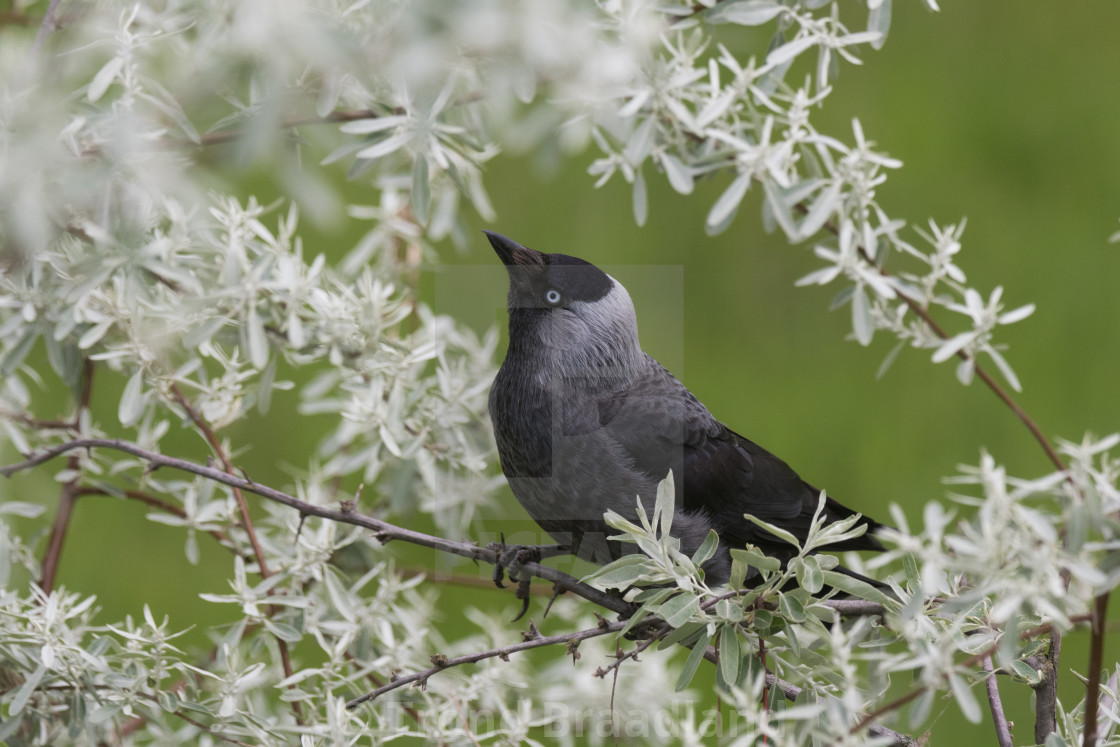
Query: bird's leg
511	558
510	563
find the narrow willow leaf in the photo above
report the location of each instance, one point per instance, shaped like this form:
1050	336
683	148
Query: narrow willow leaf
692	663
679	609
131	406
855	587
745	12
421	197
258	340
862	323
666	502
879	21
641	199
965	698
680	176
19	351
104	78
730	657
774	530
707	549
728	202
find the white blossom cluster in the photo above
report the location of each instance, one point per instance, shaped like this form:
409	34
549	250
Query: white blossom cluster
131	248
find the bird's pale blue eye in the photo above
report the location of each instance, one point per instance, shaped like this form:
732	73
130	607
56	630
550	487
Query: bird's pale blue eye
553	296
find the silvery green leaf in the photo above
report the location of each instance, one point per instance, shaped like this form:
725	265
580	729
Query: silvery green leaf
692	663
640	143
264	387
329	95
809	573
745	12
166	103
103	713
952	346
131	406
10	727
665	507
190	548
19	351
19	508
921	708
879	21
821	209
787	52
780	208
65	359
889	360
421	197
679	175
104	78
19	700
862	323
1005	369
1025	671
257	339
753	557
283	631
681	634
377	124
707	549
965	371
641	199
1015	315
724	208
385	146
619	574
855	587
343	151
730	657
965	698
679	609
791	608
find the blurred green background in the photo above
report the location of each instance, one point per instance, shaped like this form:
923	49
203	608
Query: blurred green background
1003	112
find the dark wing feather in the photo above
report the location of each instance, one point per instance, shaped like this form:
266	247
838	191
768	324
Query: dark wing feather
661	425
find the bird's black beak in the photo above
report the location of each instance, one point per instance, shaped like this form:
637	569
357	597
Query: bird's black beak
513	254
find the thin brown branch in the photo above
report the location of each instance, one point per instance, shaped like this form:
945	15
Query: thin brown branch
46	425
69	496
623	656
442	663
46	27
227	465
378	682
999	718
1096	663
383	531
62	516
